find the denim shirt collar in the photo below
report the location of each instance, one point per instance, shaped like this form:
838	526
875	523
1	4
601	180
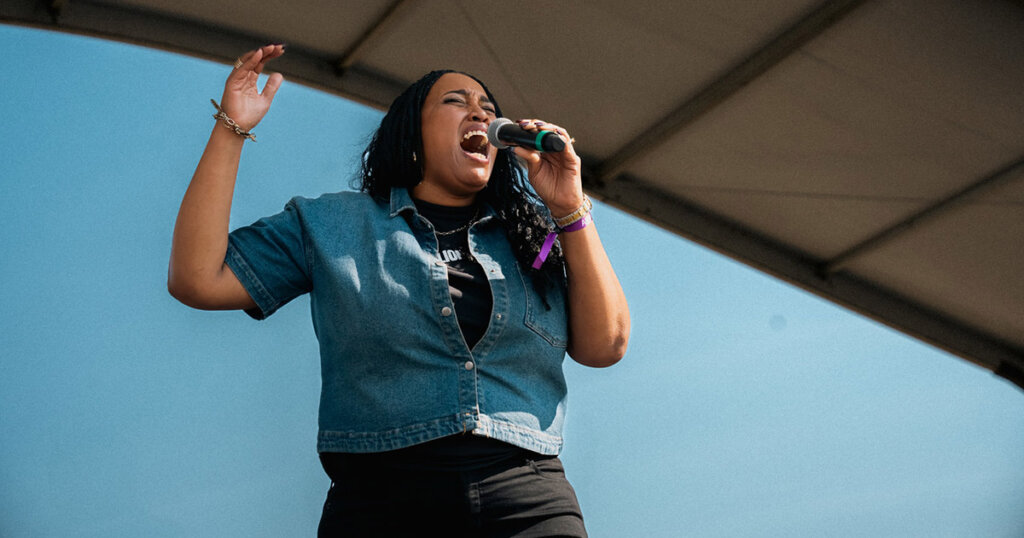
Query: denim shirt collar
401	200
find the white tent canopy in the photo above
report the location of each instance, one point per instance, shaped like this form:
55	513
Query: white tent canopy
871	152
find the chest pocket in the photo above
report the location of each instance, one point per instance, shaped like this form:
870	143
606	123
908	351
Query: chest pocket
550	324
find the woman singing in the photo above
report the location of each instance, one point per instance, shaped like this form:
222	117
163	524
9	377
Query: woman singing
442	310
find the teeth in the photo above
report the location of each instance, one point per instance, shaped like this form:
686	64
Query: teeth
474	133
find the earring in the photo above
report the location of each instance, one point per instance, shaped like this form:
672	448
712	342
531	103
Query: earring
414	156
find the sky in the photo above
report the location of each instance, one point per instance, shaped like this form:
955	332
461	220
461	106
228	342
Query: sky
744	406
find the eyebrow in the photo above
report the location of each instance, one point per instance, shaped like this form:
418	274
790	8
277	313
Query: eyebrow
467	93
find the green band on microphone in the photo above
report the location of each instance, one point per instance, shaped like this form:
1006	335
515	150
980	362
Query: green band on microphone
536	142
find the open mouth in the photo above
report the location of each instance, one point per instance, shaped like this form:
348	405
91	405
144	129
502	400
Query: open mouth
475	143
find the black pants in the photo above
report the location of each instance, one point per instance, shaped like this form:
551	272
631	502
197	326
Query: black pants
511	492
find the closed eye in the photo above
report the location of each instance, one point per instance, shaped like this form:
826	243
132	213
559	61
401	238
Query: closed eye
455	100
460	97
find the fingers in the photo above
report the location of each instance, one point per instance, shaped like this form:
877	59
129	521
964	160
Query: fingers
269	52
539	125
249	61
534	125
255	60
529	156
273	83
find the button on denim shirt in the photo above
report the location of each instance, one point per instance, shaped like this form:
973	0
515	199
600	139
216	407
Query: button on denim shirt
395	368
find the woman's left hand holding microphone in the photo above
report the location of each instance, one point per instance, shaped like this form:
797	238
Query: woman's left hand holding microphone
555	176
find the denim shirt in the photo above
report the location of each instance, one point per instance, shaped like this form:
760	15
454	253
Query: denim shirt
395	368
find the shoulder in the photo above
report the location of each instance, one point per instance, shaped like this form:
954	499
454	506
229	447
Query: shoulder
335	205
333	200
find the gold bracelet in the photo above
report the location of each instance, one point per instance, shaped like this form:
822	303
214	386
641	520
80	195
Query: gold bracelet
230	123
575	215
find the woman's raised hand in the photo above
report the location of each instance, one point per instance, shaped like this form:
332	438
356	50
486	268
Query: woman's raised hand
242	100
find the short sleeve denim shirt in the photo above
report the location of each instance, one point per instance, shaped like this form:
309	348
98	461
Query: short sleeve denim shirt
395	368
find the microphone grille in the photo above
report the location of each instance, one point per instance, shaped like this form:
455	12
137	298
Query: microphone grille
492	132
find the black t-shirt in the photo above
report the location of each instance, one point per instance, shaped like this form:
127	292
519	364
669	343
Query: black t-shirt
467	281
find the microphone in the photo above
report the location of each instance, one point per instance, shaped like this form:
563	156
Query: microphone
504	132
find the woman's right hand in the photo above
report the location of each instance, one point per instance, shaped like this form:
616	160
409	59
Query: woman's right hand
242	100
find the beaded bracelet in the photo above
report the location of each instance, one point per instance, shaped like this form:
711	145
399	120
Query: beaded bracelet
230	123
576	215
549	241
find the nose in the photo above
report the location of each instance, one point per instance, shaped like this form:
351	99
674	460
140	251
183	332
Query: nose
477	112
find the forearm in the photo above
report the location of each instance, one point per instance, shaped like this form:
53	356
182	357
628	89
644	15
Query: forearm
598	312
201	230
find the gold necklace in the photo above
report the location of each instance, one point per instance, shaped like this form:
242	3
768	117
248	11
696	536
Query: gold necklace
472	221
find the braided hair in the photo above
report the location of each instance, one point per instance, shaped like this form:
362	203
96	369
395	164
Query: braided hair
389	161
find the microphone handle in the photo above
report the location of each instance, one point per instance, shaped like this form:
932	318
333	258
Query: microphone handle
547	141
509	133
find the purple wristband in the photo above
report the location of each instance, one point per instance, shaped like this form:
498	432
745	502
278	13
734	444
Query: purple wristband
549	241
580	224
